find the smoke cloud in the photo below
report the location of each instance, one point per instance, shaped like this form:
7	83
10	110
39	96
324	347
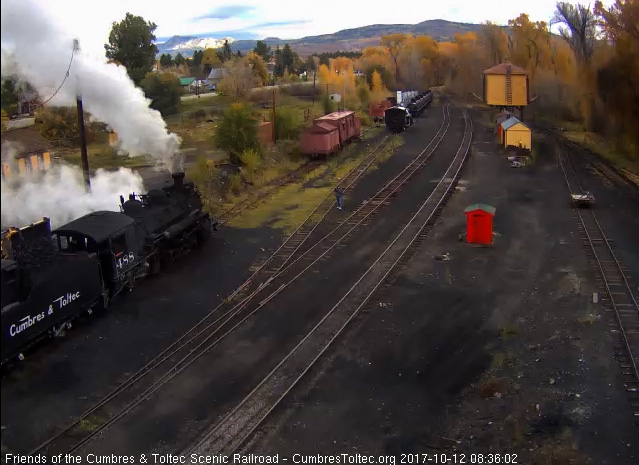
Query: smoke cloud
60	195
38	51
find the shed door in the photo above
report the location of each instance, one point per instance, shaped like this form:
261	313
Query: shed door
481	228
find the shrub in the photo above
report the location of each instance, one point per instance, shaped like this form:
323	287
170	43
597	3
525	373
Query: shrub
364	118
251	160
208	181
61	123
363	94
235	183
329	105
237	131
287	123
289	148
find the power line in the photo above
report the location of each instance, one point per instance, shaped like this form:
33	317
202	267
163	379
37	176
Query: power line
63	81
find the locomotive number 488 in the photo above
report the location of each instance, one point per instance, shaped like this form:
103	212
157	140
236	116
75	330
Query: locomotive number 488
124	260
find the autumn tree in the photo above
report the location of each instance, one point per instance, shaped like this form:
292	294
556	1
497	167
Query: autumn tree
578	29
131	44
239	80
260	70
164	91
210	60
377	88
529	43
495	42
57	123
394	42
618	79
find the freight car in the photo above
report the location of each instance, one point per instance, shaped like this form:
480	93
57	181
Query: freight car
398	118
376	110
420	102
330	133
51	277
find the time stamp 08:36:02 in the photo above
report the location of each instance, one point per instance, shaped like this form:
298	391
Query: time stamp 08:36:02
415	459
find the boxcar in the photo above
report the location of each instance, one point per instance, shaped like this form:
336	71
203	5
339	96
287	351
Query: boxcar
320	140
346	122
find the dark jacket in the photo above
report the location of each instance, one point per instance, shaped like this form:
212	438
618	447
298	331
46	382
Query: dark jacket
338	192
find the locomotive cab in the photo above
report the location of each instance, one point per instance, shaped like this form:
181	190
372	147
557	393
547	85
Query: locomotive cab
112	237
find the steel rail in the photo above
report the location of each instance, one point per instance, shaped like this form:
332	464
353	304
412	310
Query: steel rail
607	281
192	356
235	428
348	181
261	194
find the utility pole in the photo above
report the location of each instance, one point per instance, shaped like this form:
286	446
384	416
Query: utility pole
83	139
274	116
314	76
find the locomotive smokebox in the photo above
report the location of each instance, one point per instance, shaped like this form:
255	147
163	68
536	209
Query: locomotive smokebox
178	180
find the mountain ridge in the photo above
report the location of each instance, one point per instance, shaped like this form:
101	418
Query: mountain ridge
352	39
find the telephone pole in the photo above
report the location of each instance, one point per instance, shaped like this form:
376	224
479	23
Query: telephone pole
274	116
83	138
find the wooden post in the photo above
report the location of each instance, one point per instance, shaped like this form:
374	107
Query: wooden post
83	145
274	116
314	76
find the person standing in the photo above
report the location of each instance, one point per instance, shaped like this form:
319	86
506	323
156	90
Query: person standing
339	193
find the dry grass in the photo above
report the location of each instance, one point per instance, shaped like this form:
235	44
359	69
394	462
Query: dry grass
103	156
291	204
604	148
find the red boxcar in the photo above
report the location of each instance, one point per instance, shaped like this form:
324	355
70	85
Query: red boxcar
346	122
376	110
320	139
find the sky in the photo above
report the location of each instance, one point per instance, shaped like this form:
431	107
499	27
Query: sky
91	21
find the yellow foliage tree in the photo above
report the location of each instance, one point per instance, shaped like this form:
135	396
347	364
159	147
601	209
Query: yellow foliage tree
377	88
210	59
258	65
394	43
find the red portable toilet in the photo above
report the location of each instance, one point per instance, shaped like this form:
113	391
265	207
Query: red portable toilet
479	223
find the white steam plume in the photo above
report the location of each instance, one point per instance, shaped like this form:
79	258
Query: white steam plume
60	195
37	50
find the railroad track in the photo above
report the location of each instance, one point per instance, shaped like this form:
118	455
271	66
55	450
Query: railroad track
623	179
236	427
181	354
259	195
618	296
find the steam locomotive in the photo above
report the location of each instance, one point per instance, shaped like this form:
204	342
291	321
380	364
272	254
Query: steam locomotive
401	116
51	277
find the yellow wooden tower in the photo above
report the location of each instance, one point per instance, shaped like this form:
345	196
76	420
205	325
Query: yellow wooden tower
506	87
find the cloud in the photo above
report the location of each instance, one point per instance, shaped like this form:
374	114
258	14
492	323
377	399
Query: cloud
280	23
226	12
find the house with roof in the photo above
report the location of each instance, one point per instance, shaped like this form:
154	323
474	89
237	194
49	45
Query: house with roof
24	151
216	75
515	133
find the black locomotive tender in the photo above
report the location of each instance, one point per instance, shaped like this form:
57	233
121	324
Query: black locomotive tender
400	117
51	277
